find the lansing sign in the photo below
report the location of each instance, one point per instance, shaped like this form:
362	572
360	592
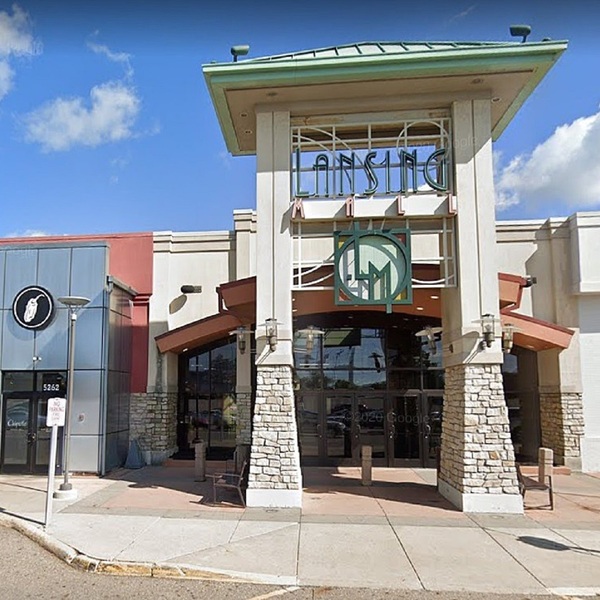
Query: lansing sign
371	173
373	267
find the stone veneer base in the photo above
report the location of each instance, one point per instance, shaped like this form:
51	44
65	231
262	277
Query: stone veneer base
482	503
275	498
157	457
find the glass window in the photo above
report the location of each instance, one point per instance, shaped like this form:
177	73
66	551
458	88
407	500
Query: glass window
222	368
404	347
433	379
353	379
404	380
354	348
52	382
309	380
306	357
18	382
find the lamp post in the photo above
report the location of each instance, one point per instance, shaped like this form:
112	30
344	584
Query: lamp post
73	303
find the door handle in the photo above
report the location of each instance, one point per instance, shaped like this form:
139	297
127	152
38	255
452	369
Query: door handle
31	437
426	430
319	430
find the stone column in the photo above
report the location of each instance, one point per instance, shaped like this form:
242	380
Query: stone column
477	471
477	465
561	403
243	395
561	420
275	476
153	422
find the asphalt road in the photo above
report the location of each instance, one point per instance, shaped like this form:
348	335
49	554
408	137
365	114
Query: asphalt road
29	571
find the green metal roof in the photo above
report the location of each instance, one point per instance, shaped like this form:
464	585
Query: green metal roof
278	75
374	48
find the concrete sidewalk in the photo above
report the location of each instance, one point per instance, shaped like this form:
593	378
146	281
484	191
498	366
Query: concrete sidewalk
398	533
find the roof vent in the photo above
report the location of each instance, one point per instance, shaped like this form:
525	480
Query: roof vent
520	30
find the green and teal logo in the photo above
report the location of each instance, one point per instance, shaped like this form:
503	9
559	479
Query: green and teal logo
373	267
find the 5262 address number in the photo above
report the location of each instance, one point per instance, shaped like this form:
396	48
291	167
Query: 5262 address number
50	387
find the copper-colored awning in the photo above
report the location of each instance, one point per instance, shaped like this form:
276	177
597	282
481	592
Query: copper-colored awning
238	307
197	333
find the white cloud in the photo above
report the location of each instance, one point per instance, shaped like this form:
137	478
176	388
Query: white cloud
67	122
564	167
16	40
463	14
121	58
28	233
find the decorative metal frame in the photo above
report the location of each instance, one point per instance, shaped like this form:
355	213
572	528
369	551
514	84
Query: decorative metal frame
319	274
362	156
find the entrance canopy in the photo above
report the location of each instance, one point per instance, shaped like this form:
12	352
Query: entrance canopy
377	76
238	307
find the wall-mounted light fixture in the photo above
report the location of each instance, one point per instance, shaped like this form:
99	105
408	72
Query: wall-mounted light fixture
310	333
430	333
241	334
191	289
488	323
508	331
271	332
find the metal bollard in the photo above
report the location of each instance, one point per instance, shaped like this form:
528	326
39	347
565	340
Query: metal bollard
200	461
367	465
545	463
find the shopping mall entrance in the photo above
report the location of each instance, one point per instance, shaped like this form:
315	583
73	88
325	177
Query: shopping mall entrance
402	428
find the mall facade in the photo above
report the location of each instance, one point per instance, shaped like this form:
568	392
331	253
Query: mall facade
370	298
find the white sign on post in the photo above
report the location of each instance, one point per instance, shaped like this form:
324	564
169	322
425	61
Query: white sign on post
55	418
56	412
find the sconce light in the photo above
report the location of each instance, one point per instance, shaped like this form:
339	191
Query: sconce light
271	331
487	329
241	333
191	289
507	337
310	333
430	333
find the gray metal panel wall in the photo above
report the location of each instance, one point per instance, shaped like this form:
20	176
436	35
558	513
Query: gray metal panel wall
76	269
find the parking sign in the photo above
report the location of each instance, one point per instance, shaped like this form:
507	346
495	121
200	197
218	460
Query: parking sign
56	412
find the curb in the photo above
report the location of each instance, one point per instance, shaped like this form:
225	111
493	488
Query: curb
83	562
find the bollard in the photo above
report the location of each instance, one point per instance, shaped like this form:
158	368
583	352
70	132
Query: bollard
200	461
545	463
367	464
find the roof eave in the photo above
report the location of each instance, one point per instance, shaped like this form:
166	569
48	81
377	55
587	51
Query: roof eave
221	77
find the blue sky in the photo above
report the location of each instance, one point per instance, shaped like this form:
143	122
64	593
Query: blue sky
106	124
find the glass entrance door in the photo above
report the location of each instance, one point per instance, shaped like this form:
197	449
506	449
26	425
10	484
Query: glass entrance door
404	432
403	429
26	439
432	404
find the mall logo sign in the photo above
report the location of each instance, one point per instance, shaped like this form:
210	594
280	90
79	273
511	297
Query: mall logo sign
373	267
33	307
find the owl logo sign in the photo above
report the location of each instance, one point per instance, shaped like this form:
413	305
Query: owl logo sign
33	307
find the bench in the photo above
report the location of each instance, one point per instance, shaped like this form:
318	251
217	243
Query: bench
231	480
528	483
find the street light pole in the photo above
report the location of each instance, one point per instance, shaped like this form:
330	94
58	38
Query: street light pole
73	303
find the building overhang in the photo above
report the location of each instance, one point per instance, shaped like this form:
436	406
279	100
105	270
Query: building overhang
238	307
404	76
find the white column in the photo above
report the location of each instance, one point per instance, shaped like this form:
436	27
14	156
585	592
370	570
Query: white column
477	471
275	478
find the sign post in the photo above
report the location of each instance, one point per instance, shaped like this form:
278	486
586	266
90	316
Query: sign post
55	418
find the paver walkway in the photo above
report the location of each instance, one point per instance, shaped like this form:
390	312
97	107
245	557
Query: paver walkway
398	533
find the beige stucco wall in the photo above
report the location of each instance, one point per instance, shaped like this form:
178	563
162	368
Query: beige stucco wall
193	258
563	256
